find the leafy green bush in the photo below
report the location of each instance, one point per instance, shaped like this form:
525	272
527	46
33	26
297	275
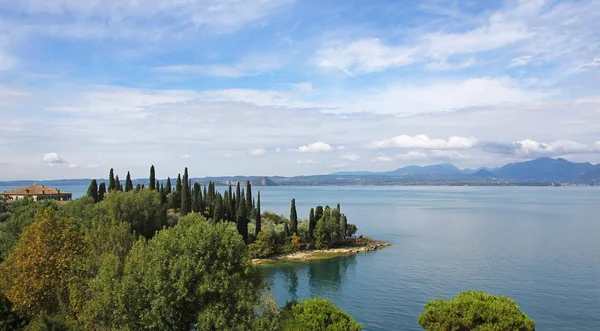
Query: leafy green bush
475	311
263	246
317	314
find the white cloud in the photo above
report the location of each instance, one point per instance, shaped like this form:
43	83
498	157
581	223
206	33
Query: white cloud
227	155
316	147
363	56
250	65
306	162
53	159
443	96
278	150
128	19
258	152
412	156
350	157
186	156
422	141
555	148
383	158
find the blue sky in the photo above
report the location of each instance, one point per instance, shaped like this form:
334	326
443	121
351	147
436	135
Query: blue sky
289	87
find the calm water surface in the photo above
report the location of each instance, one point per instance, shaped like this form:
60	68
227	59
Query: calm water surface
540	246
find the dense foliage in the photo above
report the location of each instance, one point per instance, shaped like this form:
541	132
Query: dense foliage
317	314
475	311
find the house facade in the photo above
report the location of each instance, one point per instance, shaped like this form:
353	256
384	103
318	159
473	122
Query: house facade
37	193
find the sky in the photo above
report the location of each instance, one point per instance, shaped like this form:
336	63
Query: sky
292	87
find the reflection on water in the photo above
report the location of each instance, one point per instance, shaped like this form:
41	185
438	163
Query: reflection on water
319	278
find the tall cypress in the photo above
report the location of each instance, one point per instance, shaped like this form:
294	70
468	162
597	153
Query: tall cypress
218	212
318	213
249	199
152	185
168	186
186	199
111	180
195	196
118	186
128	183
344	227
93	190
101	191
312	223
177	193
138	187
242	221
258	216
293	218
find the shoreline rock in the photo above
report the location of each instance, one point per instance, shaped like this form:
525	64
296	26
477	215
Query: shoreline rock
320	254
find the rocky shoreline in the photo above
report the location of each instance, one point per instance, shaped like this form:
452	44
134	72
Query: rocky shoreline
321	254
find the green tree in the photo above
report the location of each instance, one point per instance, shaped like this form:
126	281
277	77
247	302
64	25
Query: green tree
181	280
9	319
35	272
101	191
249	207
143	210
318	314
111	180
196	196
177	194
168	186
218	212
152	179
128	183
258	217
318	213
263	246
118	186
242	220
312	223
336	217
92	191
186	199
345	230
293	218
473	310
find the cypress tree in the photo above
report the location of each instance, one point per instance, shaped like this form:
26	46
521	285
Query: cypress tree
152	185
168	186
93	190
242	221
312	223
258	216
336	220
318	213
118	186
138	187
344	227
293	218
111	180
177	193
249	199
238	195
218	212
143	186
195	196
128	183
157	185
186	199
101	191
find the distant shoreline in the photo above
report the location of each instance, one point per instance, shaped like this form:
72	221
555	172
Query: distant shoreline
320	254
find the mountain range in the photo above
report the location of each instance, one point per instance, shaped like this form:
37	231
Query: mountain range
541	171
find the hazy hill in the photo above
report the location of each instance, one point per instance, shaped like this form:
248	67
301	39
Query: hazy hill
544	169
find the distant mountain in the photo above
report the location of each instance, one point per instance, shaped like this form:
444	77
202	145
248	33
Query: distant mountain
592	176
483	173
544	170
438	169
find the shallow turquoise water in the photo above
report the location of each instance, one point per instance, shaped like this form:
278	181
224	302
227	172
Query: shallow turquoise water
538	245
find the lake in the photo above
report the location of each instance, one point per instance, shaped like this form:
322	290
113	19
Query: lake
538	245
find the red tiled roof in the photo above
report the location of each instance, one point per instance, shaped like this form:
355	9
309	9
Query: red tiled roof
35	190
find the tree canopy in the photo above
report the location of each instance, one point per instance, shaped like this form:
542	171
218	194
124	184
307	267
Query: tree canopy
477	311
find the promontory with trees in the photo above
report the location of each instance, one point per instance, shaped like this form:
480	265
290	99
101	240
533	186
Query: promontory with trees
159	257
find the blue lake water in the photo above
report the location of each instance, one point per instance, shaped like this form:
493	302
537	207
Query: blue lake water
538	245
